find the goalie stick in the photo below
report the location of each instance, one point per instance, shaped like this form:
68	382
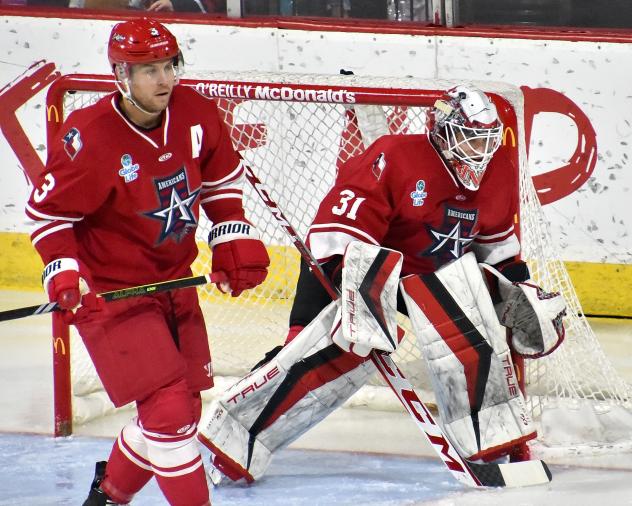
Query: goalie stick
531	472
123	293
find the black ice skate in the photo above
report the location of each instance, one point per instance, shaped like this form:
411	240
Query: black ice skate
97	497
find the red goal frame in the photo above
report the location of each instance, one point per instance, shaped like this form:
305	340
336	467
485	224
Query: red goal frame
231	91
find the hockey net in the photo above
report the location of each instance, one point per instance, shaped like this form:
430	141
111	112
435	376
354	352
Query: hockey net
294	131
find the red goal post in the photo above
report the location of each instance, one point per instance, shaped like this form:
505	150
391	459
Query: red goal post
295	130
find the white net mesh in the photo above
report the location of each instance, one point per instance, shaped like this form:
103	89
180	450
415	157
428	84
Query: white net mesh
294	146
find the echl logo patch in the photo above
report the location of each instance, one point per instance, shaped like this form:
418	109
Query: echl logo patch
72	143
451	239
176	209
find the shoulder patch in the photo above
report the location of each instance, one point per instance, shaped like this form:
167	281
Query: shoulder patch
72	143
378	166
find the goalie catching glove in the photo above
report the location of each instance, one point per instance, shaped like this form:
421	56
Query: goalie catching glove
65	286
533	315
238	252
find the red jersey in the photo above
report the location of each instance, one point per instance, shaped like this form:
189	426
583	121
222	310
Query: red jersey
399	194
125	201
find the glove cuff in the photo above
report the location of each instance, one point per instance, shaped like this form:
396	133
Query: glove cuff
55	267
231	230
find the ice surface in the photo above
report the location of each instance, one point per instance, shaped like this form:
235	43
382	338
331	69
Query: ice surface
40	470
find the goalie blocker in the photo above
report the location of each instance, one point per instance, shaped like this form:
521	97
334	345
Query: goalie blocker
312	375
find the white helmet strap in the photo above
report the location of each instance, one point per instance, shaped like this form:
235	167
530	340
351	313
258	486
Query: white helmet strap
124	87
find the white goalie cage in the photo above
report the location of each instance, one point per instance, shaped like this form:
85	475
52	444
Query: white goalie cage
294	131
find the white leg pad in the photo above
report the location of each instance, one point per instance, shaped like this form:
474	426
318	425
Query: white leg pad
480	404
228	440
275	404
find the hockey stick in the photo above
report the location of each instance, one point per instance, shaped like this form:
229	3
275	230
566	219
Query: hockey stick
124	293
531	472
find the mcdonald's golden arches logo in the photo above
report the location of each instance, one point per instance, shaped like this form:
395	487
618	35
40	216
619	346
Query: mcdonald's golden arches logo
58	341
506	132
49	112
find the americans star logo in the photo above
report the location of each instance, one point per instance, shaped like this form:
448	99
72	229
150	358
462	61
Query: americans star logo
443	241
176	209
451	239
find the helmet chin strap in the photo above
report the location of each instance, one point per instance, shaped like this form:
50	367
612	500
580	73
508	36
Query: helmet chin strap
128	94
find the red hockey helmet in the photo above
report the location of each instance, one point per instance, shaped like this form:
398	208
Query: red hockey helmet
141	41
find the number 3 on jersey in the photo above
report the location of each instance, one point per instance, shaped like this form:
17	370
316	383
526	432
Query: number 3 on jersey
348	200
39	194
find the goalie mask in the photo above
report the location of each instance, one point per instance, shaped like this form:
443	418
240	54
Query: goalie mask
465	127
140	41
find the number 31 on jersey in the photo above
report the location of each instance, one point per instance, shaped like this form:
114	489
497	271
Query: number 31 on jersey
349	205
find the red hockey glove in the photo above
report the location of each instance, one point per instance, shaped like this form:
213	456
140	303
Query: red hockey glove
64	285
239	253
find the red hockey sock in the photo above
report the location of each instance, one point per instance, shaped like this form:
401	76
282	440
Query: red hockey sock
188	489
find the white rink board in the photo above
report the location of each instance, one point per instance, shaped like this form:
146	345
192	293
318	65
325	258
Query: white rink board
588	225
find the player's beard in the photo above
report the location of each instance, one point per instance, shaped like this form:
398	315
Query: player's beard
156	104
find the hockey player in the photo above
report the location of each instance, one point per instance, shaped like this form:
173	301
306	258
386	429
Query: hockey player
440	199
118	206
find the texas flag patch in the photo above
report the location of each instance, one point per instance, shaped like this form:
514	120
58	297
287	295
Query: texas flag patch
72	143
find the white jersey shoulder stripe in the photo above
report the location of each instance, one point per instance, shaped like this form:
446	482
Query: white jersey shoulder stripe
495	236
235	174
221	196
222	189
36	214
38	236
330	242
339	226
